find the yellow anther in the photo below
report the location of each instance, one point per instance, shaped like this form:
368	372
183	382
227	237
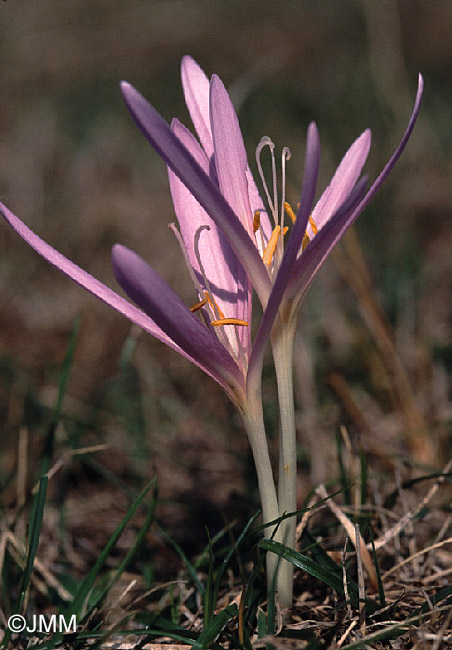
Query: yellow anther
289	211
285	229
213	304
306	239
228	321
315	230
256	221
271	246
198	305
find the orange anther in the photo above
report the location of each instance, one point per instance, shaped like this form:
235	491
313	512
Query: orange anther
306	239
228	321
312	223
271	246
213	304
256	221
198	305
289	211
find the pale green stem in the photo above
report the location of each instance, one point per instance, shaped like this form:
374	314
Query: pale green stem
282	339
253	419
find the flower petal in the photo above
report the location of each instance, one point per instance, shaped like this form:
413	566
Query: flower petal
313	257
197	90
191	144
99	290
152	294
172	151
311	169
343	181
229	153
85	280
227	278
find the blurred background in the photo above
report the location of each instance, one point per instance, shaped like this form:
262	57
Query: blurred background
374	351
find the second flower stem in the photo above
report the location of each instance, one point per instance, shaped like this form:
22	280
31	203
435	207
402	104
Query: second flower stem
282	345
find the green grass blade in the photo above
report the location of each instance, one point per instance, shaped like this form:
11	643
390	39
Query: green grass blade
440	595
303	562
65	371
136	545
332	578
209	592
321	556
253	594
381	589
218	623
261	624
345	481
190	568
205	552
390	632
234	548
364	475
36	516
301	512
47	454
88	583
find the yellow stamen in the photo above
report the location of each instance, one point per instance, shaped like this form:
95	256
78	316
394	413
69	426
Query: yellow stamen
289	211
198	305
286	228
306	239
256	221
271	246
228	321
213	304
315	230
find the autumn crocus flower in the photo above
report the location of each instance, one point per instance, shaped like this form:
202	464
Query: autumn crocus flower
279	272
231	247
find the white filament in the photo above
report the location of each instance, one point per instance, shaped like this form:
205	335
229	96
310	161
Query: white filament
273	204
285	156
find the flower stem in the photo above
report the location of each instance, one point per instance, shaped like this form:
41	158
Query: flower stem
282	345
253	419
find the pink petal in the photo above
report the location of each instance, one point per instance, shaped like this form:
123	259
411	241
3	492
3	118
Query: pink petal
229	153
227	279
99	290
197	90
172	151
150	292
313	257
343	181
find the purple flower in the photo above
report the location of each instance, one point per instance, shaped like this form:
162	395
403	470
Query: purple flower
232	245
215	178
226	234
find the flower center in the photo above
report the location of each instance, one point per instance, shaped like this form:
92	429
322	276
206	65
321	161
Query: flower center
274	248
289	211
